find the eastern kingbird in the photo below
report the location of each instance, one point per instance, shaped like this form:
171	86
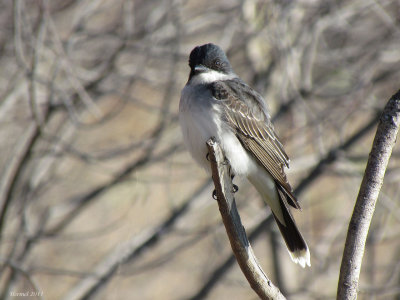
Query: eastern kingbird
215	102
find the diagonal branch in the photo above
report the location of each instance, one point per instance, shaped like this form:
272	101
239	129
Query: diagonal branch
313	175
384	141
241	247
129	250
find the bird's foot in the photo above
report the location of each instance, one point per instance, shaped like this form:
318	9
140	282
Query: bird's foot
235	188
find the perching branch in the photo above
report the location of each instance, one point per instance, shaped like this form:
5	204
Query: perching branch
241	247
328	159
384	141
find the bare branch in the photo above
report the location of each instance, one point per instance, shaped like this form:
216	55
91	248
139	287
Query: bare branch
128	250
35	288
221	269
241	247
384	141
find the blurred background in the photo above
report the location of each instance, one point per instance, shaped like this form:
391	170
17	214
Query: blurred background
100	200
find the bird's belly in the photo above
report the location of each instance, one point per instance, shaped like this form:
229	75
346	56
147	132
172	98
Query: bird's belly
199	126
242	163
200	119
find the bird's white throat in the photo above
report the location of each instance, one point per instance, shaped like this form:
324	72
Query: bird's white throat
210	76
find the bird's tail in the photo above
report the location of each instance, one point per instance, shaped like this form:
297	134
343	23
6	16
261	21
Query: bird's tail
295	242
276	197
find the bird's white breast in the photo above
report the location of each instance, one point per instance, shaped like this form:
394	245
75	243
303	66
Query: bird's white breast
200	119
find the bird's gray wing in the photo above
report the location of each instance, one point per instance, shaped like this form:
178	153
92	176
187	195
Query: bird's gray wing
244	110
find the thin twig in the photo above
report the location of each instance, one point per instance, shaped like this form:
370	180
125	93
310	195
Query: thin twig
129	250
241	247
36	290
364	208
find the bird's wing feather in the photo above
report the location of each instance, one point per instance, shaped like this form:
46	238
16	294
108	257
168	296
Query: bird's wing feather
244	110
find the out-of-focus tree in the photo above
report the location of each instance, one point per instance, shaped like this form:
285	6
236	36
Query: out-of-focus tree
98	197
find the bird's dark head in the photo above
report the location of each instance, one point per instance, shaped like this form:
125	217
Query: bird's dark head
208	58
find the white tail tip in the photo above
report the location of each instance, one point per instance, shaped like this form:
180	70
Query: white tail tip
301	257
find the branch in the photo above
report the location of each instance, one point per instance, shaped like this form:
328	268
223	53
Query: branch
234	228
314	174
129	250
384	141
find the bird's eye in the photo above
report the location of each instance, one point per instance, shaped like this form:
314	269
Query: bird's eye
217	63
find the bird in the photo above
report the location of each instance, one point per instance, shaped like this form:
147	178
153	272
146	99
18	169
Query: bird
216	103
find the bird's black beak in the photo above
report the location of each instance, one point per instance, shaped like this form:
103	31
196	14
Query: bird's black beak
200	69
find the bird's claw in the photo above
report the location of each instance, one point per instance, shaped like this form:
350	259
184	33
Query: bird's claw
235	188
214	195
